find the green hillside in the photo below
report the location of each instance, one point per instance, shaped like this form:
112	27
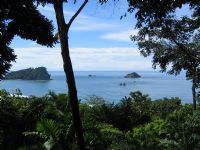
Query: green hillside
39	73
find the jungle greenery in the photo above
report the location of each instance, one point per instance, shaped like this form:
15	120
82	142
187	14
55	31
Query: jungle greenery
39	73
135	122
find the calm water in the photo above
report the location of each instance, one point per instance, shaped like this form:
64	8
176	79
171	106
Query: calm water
107	85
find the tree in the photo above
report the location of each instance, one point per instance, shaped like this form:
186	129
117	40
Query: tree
21	18
147	11
172	41
63	30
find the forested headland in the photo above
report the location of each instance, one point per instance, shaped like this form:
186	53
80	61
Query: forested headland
39	73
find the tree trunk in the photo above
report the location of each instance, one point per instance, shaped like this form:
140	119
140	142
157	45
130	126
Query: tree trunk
194	94
67	65
194	85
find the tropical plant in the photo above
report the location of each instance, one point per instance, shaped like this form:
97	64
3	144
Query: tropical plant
53	135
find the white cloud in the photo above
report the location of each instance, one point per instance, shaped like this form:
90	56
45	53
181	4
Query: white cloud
116	58
38	56
120	36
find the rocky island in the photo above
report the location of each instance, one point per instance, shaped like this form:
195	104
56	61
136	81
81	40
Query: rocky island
39	73
132	75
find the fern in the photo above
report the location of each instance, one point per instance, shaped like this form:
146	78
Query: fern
49	128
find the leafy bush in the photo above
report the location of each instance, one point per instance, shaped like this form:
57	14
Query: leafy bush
150	135
163	107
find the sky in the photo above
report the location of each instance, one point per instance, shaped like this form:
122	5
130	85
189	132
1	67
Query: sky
98	40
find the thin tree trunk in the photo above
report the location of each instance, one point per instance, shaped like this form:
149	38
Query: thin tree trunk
67	65
194	85
194	94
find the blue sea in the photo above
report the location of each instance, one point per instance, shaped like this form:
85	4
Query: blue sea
107	85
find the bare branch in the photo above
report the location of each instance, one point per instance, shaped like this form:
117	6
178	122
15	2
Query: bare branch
76	14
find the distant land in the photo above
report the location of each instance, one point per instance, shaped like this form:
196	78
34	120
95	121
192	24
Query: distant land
39	73
132	75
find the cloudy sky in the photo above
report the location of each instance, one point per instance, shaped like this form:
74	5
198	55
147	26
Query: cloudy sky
98	39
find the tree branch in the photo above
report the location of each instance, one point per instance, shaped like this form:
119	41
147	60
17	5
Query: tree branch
76	14
184	49
191	56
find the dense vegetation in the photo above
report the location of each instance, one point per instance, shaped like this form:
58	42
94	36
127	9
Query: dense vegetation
39	73
135	122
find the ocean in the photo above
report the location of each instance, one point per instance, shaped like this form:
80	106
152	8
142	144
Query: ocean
106	84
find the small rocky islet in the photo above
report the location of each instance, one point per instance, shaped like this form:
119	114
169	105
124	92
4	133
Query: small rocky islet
132	75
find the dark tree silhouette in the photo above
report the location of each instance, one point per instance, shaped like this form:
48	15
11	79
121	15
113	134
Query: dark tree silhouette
172	41
147	11
21	18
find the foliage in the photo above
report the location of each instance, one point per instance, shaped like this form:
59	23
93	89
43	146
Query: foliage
50	131
19	115
148	11
150	135
183	134
21	18
173	42
123	115
142	102
179	131
163	107
135	122
191	131
3	94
